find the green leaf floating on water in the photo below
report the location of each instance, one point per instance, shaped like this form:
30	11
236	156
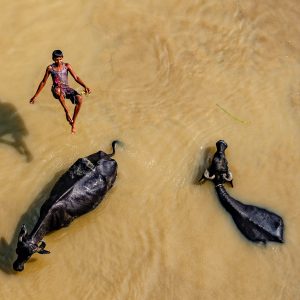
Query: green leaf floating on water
232	116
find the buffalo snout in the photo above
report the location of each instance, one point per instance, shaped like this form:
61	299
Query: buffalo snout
18	266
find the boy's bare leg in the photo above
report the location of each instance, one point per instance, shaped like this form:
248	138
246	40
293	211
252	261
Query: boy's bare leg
63	103
76	111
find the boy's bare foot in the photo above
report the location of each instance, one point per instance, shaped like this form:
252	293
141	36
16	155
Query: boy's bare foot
73	130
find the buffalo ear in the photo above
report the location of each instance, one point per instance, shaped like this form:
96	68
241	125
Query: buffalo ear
23	233
43	251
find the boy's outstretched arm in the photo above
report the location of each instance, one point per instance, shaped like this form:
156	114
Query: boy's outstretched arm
77	79
41	85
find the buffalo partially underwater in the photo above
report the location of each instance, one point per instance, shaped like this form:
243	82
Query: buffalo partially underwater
78	191
256	224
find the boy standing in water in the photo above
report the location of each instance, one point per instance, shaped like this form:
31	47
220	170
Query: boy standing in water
60	88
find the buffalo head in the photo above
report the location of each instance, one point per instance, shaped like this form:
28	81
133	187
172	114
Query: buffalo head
26	248
218	171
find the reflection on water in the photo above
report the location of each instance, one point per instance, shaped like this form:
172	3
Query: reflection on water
13	129
169	78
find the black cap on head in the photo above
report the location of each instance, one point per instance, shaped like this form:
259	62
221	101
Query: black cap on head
57	53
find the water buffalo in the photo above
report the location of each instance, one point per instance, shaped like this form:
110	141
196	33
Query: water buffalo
256	224
78	191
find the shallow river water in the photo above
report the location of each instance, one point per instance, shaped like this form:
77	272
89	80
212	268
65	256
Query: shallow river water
168	78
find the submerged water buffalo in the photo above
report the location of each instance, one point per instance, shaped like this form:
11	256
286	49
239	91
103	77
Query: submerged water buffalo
256	224
78	191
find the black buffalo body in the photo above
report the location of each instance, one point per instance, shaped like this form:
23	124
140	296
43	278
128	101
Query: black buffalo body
256	224
78	191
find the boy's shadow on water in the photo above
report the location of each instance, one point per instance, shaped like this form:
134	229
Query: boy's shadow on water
7	250
13	130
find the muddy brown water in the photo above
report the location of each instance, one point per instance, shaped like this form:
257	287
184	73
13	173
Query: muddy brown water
168	78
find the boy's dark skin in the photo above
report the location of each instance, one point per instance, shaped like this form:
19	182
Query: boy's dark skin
58	61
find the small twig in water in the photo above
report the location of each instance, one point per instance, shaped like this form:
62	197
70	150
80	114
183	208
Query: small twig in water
232	116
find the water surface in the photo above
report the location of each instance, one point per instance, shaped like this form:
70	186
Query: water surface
168	78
